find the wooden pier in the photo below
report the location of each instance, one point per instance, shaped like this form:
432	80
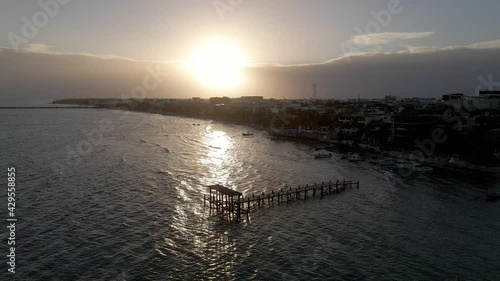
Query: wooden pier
230	204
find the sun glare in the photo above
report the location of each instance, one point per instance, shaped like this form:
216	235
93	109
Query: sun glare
217	64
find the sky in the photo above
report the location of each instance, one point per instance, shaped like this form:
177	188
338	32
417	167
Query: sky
275	31
370	48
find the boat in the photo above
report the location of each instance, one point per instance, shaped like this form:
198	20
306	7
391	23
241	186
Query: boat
275	139
354	157
415	167
493	196
247	134
346	156
322	156
384	162
453	161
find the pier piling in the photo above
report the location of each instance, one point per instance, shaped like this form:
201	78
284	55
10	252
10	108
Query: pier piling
230	204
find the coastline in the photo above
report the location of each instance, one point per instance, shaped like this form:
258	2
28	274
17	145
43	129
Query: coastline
438	162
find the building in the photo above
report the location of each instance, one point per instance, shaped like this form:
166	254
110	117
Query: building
252	99
489	94
218	100
487	100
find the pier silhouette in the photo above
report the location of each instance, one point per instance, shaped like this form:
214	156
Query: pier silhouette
230	204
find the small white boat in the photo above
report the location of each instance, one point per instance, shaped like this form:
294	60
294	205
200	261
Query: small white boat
453	161
354	157
247	134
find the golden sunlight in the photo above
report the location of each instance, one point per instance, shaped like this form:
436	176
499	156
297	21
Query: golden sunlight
217	64
219	142
218	157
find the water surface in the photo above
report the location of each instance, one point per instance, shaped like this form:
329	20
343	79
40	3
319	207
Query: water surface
131	208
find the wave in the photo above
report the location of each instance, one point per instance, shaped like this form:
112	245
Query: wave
155	144
162	172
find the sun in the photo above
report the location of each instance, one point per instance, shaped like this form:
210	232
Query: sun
217	64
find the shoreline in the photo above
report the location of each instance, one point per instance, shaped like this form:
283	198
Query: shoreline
438	162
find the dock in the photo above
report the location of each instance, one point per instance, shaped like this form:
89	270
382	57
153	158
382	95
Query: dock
230	204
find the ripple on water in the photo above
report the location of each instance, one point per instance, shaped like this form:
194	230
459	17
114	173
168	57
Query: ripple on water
133	211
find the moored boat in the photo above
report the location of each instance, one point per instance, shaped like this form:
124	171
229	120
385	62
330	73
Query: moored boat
354	157
322	156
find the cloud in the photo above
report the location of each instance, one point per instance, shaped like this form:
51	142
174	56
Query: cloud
38	48
424	74
384	38
423	49
49	50
41	74
485	45
494	44
375	43
416	71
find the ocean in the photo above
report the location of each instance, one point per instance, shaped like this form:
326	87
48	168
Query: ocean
114	195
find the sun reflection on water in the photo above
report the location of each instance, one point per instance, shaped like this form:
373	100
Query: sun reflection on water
218	158
191	235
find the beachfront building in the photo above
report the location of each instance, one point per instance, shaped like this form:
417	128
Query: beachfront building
487	100
219	100
252	99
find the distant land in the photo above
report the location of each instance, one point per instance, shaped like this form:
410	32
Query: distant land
469	126
46	76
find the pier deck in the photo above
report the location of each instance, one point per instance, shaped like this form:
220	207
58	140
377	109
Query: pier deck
231	204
